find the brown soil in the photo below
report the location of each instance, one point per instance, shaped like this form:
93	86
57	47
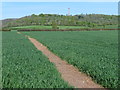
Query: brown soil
68	72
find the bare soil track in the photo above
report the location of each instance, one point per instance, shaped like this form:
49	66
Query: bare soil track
68	72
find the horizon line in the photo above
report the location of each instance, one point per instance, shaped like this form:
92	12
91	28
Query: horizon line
59	14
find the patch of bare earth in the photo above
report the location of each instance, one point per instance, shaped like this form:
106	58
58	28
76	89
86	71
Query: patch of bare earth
68	72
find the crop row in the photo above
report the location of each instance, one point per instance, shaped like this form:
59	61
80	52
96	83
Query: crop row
26	67
95	53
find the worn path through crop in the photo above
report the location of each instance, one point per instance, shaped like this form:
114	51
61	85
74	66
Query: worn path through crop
68	72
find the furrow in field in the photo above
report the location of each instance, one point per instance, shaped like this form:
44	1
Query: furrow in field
69	73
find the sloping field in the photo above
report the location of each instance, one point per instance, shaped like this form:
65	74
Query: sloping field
92	52
38	27
26	67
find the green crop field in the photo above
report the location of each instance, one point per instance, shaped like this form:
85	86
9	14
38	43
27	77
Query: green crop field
23	66
46	27
92	52
63	27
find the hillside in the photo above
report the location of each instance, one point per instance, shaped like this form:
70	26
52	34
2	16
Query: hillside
6	21
87	20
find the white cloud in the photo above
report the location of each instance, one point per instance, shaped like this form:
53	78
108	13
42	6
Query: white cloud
60	0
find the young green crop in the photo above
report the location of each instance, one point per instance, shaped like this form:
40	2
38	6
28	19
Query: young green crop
26	67
92	52
38	27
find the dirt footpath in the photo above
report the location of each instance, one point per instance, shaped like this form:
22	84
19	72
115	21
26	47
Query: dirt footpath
68	72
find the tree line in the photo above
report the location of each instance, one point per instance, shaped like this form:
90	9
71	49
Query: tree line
89	20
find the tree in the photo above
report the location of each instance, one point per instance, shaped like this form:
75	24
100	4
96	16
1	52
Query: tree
43	20
54	25
33	15
41	15
104	26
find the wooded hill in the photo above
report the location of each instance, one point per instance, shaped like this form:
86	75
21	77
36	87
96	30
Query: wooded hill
89	20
